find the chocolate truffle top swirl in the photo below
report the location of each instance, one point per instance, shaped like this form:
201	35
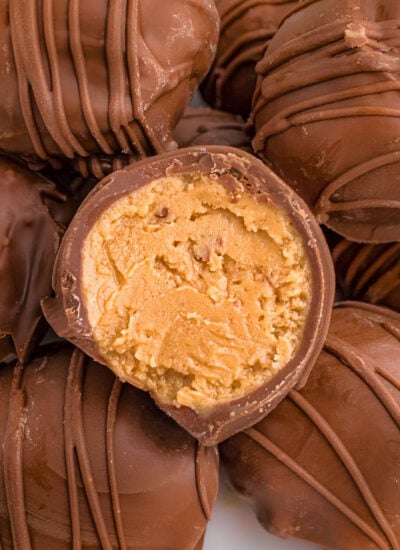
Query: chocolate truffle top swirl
99	83
326	111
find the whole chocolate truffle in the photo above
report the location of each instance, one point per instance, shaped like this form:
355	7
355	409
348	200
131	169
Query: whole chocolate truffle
325	112
200	277
90	463
33	216
368	272
324	465
247	27
99	83
212	127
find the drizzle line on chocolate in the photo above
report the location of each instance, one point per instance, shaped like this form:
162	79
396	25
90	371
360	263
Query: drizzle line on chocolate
77	454
201	452
348	462
111	418
79	473
75	44
41	93
13	459
319	57
325	204
374	270
350	358
389	378
292	465
391	329
247	48
385	283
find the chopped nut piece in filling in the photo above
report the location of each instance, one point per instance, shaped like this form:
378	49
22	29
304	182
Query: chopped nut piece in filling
194	294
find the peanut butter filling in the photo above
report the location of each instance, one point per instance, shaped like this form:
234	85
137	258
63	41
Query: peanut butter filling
195	294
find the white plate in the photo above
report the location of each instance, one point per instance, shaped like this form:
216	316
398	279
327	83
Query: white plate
234	527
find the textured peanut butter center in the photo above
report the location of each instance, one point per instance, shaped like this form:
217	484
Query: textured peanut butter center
195	293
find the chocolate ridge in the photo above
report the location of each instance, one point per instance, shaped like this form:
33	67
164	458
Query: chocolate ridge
345	457
67	314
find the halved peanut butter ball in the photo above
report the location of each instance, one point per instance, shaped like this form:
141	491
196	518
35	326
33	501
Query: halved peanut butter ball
198	276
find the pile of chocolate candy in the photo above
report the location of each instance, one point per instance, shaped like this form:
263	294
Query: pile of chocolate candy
166	272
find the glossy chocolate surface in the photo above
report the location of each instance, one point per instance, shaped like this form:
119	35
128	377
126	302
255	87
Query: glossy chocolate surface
88	462
99	84
33	215
67	311
212	127
324	465
325	113
246	30
368	272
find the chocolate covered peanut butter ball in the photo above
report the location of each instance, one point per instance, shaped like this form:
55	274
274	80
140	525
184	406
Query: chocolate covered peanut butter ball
88	462
324	465
326	113
198	276
97	84
34	213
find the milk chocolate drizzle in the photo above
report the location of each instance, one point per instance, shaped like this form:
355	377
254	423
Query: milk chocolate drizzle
77	455
128	134
371	373
248	47
78	466
332	51
369	272
37	91
111	417
13	462
290	463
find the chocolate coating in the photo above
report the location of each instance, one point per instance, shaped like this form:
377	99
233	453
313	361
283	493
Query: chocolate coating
324	465
368	272
99	83
89	463
33	215
212	127
246	30
242	173
325	113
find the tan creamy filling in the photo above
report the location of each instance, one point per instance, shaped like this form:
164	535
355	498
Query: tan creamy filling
194	294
